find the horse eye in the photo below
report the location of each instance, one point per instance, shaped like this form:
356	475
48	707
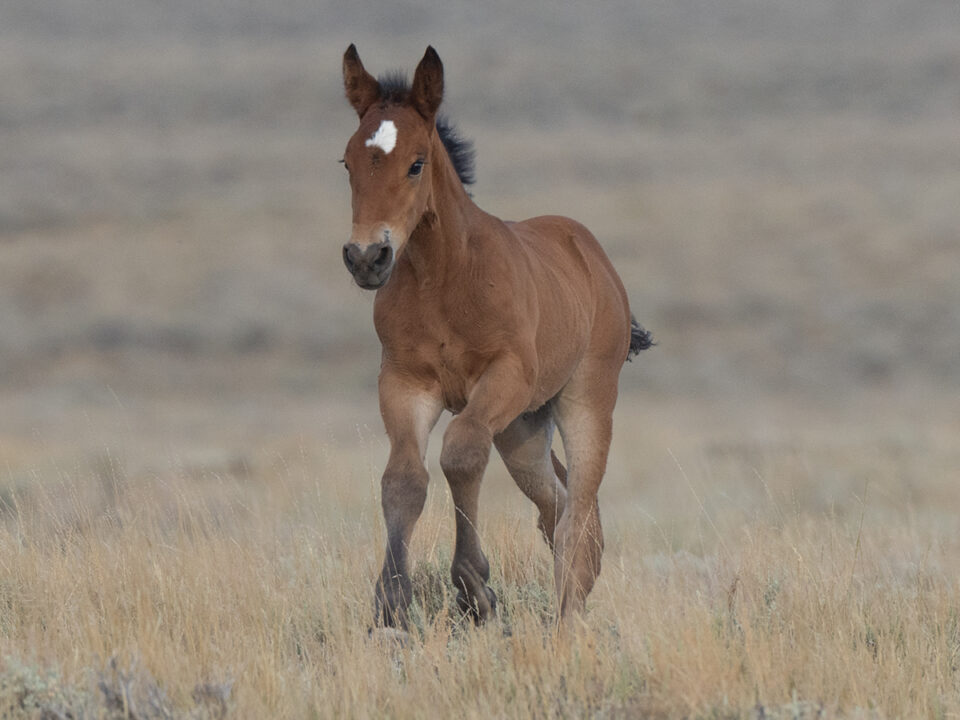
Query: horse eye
416	168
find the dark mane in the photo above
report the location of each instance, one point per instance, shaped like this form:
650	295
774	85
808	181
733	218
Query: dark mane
395	89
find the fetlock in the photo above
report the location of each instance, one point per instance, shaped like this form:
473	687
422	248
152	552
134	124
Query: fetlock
479	608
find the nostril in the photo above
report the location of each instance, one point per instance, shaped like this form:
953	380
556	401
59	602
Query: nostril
348	257
383	258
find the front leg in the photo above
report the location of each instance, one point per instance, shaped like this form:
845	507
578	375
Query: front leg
502	393
409	413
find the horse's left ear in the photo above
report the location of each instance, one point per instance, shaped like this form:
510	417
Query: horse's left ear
427	91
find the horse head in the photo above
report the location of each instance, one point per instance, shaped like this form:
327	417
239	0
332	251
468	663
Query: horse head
386	157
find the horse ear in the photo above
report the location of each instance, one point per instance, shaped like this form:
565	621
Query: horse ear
427	92
361	87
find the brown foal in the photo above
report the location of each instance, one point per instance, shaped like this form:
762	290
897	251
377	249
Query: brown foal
513	327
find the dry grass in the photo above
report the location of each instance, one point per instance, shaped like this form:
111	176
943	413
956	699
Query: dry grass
749	580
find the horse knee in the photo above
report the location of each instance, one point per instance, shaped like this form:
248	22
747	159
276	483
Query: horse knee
466	449
403	493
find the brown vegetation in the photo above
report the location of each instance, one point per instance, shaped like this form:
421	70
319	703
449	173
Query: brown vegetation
744	583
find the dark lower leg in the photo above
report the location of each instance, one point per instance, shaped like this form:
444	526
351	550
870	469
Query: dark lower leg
403	497
465	452
470	570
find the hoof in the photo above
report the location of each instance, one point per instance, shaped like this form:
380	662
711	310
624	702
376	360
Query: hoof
389	609
479	609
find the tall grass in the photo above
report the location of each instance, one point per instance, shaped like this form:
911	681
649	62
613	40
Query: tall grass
734	589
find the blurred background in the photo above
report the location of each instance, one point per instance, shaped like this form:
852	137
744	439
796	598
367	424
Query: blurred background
777	182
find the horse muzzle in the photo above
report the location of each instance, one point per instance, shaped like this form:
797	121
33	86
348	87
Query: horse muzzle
370	265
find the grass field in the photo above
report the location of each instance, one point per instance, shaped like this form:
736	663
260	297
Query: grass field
753	579
190	448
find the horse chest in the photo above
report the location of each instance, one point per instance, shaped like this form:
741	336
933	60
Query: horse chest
437	356
453	374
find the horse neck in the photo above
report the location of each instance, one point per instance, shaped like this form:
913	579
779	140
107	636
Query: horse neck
437	248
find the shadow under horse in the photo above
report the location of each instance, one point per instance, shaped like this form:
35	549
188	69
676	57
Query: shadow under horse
514	327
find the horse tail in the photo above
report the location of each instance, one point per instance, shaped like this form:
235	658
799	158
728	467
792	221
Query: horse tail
640	339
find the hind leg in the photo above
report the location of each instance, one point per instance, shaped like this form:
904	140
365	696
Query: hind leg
525	448
584	416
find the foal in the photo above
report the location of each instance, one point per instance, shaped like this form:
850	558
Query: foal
512	327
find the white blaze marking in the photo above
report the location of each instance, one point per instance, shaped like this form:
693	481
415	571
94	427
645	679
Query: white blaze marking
385	137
